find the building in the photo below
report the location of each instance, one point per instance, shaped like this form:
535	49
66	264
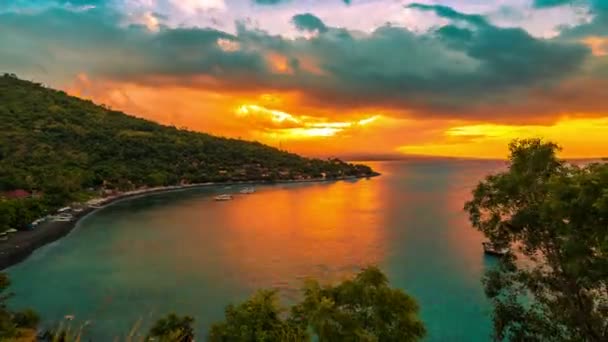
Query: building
16	194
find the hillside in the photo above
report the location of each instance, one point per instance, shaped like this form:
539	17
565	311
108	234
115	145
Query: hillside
61	146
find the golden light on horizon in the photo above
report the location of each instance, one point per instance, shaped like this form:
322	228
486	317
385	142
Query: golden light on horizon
283	119
364	122
491	140
289	126
275	115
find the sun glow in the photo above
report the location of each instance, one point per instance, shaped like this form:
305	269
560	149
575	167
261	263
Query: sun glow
291	126
491	140
275	118
598	45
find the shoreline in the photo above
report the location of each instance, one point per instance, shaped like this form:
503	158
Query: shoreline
23	243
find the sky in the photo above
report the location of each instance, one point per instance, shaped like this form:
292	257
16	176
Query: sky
364	78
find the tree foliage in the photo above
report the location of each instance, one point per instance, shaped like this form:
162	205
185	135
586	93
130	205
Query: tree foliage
257	319
14	325
554	287
361	309
172	328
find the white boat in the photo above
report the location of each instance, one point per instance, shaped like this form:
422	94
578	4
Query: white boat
489	248
224	197
63	218
248	190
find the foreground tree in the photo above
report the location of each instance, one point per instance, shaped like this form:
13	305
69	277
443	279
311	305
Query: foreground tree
554	287
172	328
362	309
14	325
257	319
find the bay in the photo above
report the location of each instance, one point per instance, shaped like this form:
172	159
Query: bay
182	252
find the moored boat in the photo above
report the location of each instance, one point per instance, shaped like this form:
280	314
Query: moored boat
63	217
247	191
224	197
491	249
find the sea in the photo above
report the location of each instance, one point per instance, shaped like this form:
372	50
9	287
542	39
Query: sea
135	261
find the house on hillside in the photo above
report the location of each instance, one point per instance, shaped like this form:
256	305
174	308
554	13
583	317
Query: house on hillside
16	194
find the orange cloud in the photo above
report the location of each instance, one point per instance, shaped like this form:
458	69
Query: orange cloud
581	138
283	120
279	124
598	45
279	63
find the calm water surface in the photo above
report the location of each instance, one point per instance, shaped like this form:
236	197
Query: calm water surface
183	252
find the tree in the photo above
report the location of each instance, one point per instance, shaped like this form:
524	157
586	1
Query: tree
172	328
555	286
14	324
362	309
257	319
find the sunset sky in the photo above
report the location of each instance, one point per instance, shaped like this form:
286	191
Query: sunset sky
332	77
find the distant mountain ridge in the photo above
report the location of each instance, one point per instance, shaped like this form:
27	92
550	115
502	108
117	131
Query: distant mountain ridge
54	143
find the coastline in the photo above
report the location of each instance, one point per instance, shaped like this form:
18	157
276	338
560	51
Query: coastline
23	243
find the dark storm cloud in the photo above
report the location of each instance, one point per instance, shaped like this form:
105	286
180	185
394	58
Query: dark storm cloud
308	22
596	5
597	26
466	69
449	13
552	3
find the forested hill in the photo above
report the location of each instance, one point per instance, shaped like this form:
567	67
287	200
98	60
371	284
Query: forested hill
58	144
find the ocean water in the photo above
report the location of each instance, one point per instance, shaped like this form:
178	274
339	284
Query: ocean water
137	260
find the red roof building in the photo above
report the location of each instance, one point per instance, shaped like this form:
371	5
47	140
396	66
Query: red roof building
15	194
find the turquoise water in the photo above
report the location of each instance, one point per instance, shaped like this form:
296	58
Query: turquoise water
182	252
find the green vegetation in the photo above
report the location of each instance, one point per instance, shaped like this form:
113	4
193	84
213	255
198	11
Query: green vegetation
17	213
172	329
64	148
257	319
14	325
555	287
363	309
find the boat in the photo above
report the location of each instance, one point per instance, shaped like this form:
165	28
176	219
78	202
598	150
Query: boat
224	197
248	191
491	249
63	218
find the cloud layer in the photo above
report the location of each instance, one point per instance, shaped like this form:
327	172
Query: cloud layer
465	67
